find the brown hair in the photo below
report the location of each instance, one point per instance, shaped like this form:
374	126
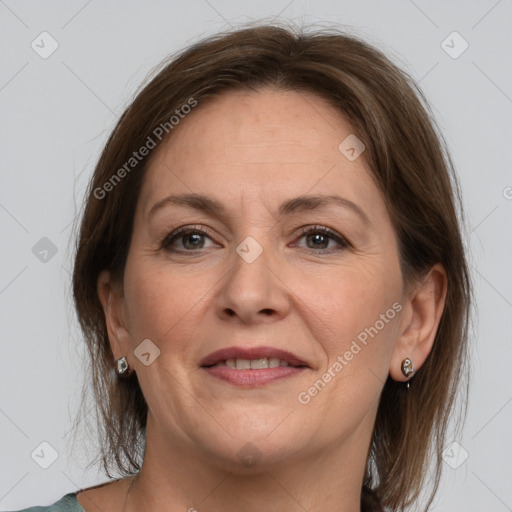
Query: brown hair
409	163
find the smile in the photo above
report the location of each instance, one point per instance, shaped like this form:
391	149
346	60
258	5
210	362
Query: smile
255	366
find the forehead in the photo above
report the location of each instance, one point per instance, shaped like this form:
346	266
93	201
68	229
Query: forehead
260	144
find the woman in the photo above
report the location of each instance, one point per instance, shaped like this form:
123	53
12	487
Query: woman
272	284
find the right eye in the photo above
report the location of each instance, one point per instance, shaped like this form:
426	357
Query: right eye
191	239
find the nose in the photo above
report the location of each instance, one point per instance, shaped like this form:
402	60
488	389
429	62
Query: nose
253	292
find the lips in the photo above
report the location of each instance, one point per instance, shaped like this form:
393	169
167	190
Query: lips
252	367
259	358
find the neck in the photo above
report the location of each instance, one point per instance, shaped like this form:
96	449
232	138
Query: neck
173	478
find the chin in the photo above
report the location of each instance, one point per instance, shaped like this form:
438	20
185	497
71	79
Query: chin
246	457
252	448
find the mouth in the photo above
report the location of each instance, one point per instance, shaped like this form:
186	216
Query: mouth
249	367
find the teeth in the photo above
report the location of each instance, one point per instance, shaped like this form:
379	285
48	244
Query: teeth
274	363
243	364
254	364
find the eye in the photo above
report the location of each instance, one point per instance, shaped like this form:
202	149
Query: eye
192	239
319	237
189	238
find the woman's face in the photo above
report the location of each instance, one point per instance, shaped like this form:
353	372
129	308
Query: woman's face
293	250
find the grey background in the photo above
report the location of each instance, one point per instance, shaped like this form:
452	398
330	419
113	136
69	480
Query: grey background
56	114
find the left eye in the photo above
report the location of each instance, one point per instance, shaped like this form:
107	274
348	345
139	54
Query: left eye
318	237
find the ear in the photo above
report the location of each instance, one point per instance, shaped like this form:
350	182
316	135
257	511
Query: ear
111	296
421	315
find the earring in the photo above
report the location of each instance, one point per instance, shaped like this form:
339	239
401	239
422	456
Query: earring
122	367
407	368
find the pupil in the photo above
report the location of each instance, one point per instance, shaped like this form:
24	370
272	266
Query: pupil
318	237
195	237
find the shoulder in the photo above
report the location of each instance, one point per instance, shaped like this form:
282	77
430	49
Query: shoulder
68	503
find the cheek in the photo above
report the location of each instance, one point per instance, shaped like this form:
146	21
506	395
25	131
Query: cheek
161	302
356	325
354	317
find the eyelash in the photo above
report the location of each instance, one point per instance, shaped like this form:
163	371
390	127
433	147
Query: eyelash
181	232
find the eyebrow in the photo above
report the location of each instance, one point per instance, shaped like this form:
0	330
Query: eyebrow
298	204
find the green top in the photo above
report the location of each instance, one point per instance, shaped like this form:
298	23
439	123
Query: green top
67	503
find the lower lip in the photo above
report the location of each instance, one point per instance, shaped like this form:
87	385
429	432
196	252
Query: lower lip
249	378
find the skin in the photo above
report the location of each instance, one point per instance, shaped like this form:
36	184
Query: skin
252	151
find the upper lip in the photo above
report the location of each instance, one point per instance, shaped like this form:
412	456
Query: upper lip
251	353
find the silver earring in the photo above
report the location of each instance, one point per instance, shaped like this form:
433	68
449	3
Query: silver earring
122	367
407	368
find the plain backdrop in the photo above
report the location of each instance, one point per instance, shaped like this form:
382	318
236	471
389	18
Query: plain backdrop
56	112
